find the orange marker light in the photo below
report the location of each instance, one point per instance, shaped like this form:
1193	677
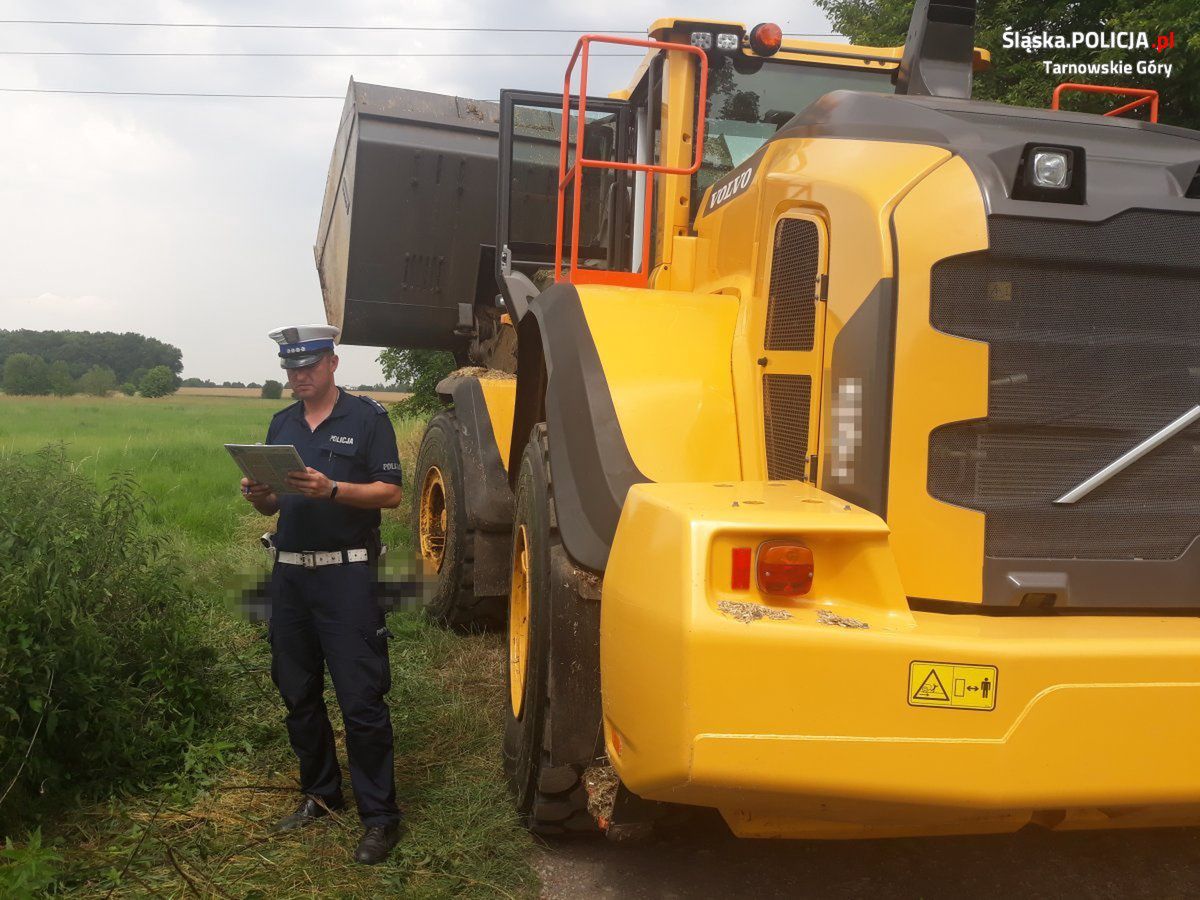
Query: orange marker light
741	569
785	569
766	39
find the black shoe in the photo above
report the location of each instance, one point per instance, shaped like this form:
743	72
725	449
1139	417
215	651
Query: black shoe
309	810
377	842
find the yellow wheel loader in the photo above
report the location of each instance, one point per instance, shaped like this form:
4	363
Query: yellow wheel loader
827	440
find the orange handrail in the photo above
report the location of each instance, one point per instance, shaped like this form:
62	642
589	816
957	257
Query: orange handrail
575	172
1144	95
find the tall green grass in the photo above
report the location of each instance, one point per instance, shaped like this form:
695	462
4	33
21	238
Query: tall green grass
104	663
173	446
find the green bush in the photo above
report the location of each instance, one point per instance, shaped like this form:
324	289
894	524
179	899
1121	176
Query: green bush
158	382
99	381
104	664
419	371
128	389
272	389
61	382
26	375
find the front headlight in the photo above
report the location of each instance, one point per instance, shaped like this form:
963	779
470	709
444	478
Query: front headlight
1051	169
727	43
1051	174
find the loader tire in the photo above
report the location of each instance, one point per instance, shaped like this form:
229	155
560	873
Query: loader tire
551	800
441	534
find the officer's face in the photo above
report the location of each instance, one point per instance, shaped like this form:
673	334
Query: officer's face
314	380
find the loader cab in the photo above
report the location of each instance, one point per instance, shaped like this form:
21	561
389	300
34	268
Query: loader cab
532	202
527	209
748	101
644	136
752	92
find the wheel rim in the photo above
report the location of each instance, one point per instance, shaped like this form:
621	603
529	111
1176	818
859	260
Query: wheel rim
518	622
432	520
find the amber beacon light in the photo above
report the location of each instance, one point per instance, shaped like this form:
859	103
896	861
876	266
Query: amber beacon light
766	39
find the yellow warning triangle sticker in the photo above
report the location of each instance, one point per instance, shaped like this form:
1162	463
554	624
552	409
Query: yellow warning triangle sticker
931	688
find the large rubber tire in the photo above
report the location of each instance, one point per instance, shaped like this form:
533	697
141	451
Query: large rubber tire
453	604
551	800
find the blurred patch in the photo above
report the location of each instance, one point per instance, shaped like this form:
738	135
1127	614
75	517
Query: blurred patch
405	581
401	583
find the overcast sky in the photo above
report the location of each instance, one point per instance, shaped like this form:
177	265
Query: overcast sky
192	219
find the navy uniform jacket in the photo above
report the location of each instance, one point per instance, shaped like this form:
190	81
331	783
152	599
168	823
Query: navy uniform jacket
357	444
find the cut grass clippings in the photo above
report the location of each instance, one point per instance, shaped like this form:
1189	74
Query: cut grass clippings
462	836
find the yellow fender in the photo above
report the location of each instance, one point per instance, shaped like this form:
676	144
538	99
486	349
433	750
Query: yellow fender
634	386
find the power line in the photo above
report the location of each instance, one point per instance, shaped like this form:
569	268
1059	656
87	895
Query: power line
238	53
9	90
293	27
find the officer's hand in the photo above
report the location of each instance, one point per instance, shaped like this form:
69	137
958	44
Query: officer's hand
310	483
255	491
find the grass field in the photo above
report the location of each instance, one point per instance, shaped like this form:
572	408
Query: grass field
172	445
204	831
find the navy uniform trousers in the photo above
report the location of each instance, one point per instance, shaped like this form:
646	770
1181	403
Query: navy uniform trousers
328	616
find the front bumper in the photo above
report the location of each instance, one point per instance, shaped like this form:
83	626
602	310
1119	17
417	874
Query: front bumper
796	727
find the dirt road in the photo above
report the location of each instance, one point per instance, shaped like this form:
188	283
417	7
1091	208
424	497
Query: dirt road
703	860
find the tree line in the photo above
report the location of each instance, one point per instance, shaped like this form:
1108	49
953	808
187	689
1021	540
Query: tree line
270	389
87	362
27	375
98	363
130	355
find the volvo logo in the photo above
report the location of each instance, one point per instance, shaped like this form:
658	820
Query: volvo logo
730	189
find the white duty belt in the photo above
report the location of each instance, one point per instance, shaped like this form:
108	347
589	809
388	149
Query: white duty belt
310	559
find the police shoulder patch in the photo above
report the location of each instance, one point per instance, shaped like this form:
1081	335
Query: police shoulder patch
286	409
378	407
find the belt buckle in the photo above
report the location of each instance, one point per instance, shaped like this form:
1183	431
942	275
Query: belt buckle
308	559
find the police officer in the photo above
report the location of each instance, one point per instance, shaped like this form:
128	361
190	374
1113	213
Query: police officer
324	612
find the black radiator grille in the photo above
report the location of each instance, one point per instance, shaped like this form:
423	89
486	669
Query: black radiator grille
786	409
1094	345
792	298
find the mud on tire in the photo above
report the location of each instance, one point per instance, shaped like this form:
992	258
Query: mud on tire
551	800
438	487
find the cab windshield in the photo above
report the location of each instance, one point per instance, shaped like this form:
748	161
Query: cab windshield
749	100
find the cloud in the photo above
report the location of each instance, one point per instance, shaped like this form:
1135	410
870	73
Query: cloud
49	311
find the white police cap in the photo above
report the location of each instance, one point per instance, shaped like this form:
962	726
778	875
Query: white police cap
302	345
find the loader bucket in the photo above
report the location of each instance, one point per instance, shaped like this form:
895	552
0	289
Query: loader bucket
410	206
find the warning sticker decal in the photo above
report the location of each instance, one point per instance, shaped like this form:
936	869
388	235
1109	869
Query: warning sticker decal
952	685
